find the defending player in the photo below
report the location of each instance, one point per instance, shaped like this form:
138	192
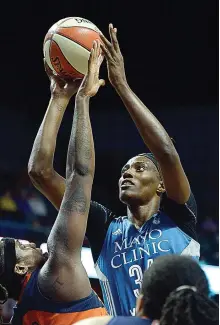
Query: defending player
58	290
161	210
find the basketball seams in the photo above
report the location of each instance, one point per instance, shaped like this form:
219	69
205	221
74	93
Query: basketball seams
75	70
73	40
96	31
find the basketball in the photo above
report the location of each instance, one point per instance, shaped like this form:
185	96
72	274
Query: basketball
67	46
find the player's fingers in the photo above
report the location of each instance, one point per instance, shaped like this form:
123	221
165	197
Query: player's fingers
51	73
105	52
61	82
91	57
47	68
97	50
100	59
101	82
106	42
113	35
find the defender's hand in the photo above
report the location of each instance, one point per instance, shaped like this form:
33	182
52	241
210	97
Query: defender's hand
115	61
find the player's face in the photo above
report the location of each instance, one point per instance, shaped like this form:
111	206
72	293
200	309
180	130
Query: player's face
28	255
139	181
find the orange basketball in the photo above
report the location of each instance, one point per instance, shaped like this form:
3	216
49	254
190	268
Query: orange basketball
67	46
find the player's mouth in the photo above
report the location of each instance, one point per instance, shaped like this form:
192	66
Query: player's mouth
126	183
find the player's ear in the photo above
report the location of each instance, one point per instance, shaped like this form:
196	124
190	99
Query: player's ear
161	188
20	269
140	305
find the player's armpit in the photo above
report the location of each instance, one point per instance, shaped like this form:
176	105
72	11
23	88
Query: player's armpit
64	283
175	180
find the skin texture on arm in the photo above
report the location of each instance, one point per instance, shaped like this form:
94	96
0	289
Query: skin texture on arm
152	132
63	277
40	166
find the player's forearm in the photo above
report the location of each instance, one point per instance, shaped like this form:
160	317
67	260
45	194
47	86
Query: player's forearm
73	213
41	158
152	132
81	157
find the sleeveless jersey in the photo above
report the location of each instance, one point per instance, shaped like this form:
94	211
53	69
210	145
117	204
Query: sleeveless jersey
127	252
34	309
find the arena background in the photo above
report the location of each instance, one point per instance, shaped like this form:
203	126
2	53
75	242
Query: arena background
170	50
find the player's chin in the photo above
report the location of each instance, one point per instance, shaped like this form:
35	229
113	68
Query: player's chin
127	196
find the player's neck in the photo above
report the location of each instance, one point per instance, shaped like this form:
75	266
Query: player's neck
139	214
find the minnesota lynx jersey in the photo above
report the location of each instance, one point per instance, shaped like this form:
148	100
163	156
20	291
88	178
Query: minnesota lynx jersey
127	252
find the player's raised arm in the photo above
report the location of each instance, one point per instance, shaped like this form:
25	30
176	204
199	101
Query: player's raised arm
63	276
150	129
40	166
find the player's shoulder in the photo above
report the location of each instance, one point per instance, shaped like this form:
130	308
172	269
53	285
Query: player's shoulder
186	211
119	220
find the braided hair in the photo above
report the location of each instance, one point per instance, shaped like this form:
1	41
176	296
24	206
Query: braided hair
189	307
163	300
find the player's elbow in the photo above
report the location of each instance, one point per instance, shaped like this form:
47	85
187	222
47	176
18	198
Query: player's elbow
38	173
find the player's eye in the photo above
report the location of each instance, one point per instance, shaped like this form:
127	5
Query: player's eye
140	168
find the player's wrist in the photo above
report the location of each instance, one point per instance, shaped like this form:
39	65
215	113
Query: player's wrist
60	98
120	85
59	102
81	96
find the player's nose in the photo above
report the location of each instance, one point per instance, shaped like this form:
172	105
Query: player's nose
127	174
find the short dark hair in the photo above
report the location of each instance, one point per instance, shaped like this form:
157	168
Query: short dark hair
162	300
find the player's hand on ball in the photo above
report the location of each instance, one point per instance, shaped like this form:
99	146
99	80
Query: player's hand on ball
91	82
115	61
61	88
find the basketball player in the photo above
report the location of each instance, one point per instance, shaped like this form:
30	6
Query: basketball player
58	291
175	290
161	210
